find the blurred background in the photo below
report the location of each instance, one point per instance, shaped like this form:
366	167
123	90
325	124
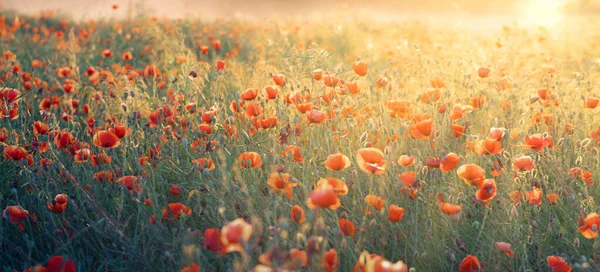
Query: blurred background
259	9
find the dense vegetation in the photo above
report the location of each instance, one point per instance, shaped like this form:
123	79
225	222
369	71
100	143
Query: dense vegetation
164	145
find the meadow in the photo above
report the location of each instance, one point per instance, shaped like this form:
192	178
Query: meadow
148	144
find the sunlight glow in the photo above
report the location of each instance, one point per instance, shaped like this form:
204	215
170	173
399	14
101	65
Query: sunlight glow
546	13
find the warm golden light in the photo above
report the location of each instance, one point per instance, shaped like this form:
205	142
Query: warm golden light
546	13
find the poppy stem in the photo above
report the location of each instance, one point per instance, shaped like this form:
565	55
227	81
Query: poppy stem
485	216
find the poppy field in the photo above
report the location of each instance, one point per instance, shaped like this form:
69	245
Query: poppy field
149	144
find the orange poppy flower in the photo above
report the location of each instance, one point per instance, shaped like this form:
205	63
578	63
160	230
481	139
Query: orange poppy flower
336	162
433	162
483	72
449	162
470	264
516	196
472	174
330	81
234	235
591	103
271	92
338	186
381	82
205	128
487	147
430	96
347	227
15	153
315	116
82	155
295	151
543	94
360	67
305	107
552	198
298	258
174	211
249	160
252	109
371	160
496	133
575	172
399	108
127	56
317	74
9	95
175	190
487	190
204	49
16	215
557	264
131	183
373	262
505	248
60	204
422	130
267	123
587	178
40	128
538	142
477	101
106	139
330	260
457	130
589	228
405	160
204	163
323	198
352	87
279	79
458	111
104	176
447	208
298	215
376	202
328	95
249	94
120	130
282	181
534	196
395	213
212	240
220	66
523	163
408	178
442	108
106	53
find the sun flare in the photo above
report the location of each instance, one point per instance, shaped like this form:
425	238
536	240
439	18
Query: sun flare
546	13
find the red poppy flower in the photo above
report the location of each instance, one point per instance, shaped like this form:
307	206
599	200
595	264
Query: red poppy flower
15	153
16	215
234	235
60	204
470	264
106	139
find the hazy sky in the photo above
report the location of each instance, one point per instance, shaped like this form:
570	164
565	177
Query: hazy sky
269	8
